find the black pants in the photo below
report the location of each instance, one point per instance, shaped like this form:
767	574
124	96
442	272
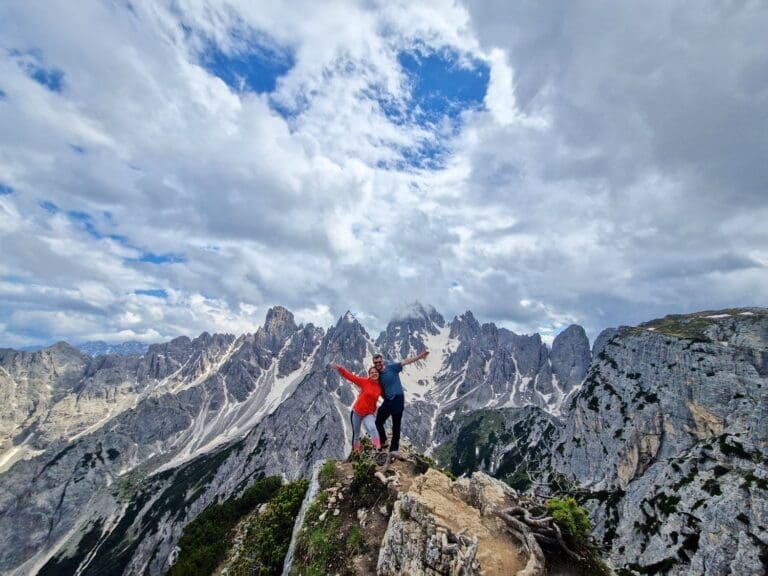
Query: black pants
393	407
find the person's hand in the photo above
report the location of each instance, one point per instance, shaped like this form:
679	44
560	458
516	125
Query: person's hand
423	355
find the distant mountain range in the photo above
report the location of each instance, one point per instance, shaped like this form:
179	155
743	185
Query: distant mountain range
101	348
660	429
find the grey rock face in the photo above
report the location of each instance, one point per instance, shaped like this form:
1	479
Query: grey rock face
602	339
278	327
299	349
666	443
669	432
498	368
570	357
31	382
162	360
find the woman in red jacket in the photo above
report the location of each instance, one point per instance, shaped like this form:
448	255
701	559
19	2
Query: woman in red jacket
364	408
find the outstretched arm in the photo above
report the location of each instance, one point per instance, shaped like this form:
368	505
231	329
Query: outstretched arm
357	380
412	359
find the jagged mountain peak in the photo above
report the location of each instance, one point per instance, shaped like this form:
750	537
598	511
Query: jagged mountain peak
409	330
465	326
347	327
574	330
419	312
570	357
178	341
279	326
206	338
347	317
61	349
279	320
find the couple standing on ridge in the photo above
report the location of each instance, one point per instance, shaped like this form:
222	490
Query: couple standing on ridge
382	381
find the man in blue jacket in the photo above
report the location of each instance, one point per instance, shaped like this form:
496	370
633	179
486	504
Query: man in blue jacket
394	397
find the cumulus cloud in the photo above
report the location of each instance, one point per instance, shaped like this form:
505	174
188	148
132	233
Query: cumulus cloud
174	167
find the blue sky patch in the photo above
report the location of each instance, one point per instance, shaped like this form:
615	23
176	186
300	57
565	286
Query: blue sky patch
5	190
51	78
118	238
151	258
3	95
156	292
443	85
86	223
34	65
253	66
49	207
13	279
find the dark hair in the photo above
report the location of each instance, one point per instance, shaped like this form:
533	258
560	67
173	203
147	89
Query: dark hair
378	356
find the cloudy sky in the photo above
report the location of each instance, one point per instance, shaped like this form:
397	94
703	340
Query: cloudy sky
169	167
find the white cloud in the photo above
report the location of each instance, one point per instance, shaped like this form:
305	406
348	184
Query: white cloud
590	179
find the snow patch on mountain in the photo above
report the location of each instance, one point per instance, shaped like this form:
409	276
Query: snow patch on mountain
420	378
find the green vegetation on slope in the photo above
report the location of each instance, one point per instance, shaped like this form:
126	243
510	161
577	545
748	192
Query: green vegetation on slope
694	326
481	432
269	534
570	516
330	539
207	538
473	447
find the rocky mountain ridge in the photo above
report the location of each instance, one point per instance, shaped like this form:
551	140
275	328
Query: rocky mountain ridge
101	348
101	428
666	443
195	420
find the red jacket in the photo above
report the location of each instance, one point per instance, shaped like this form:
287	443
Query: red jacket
370	391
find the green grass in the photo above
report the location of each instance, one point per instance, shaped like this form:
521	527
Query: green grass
327	474
320	545
355	540
691	326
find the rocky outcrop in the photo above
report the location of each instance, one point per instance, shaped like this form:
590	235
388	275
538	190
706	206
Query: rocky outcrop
669	435
437	527
666	443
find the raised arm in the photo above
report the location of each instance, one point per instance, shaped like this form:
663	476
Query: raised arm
412	359
356	380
